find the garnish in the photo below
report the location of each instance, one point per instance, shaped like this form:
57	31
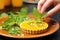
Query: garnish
43	15
3	14
24	12
10	24
38	15
13	22
15	30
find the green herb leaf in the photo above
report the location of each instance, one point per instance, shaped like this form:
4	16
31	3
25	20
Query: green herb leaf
19	19
24	11
36	13
10	21
15	30
3	14
44	14
17	12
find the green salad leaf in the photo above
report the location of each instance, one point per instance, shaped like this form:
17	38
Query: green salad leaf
15	30
24	11
3	14
36	13
10	22
44	15
19	19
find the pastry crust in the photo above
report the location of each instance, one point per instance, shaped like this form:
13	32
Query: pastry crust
33	29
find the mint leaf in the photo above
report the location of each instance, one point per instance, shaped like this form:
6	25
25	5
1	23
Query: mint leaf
43	15
19	19
17	12
36	13
24	11
10	21
15	30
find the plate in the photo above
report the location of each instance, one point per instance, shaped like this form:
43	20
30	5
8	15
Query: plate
53	24
34	2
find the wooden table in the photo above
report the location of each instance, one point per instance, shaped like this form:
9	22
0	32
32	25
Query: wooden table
55	36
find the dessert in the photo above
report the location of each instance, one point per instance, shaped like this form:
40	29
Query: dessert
36	25
32	27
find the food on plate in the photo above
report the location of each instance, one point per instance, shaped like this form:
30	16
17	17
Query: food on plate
13	21
23	22
33	26
11	24
3	17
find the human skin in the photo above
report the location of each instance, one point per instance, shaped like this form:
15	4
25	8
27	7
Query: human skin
44	4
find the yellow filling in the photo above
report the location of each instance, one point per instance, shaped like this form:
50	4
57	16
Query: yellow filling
32	25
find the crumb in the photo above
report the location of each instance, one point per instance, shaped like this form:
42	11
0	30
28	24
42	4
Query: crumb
0	27
18	34
22	34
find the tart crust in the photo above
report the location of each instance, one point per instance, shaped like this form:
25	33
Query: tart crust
33	29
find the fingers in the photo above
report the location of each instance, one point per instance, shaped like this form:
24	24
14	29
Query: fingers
46	5
52	11
40	3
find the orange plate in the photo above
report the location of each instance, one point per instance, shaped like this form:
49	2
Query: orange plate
53	27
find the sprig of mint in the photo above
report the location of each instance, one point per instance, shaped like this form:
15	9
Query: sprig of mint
24	11
44	15
38	15
15	30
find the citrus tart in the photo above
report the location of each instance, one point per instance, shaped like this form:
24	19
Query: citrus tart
32	27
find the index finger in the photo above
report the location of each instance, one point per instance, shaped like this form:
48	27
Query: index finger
40	3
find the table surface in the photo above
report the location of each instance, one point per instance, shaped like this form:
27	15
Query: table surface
54	36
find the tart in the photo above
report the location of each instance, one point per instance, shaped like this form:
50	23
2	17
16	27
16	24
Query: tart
32	27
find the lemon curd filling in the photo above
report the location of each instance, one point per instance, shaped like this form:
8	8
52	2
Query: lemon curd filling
33	25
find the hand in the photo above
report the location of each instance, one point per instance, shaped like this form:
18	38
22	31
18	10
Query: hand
44	4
